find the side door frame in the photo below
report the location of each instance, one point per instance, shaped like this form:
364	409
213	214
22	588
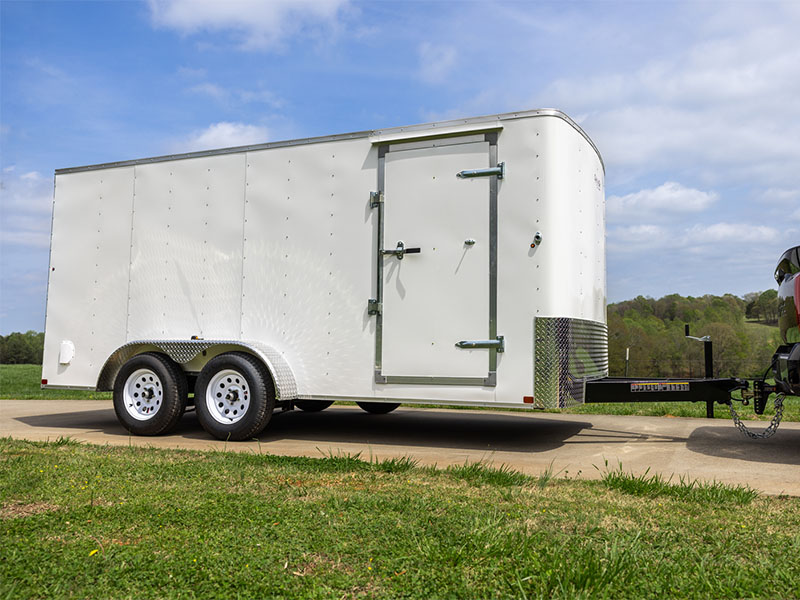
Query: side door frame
495	343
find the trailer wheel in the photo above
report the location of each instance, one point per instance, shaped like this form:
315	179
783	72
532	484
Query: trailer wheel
378	408
312	405
150	394
234	396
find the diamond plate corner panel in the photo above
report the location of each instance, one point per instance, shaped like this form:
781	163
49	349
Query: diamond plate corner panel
567	354
182	351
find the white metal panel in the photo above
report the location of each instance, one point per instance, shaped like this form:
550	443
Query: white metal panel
186	259
297	252
88	284
573	254
550	186
308	268
441	295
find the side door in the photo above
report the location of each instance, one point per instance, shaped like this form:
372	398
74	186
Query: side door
437	261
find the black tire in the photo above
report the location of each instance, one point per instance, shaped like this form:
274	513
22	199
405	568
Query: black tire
312	405
150	394
234	396
378	408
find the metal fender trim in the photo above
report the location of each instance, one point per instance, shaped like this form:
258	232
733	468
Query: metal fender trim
183	351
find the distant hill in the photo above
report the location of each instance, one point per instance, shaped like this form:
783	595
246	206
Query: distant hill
742	332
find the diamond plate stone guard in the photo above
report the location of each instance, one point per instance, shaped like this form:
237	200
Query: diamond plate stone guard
567	354
182	351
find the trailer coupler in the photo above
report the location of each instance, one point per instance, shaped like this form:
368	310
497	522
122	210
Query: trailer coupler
759	395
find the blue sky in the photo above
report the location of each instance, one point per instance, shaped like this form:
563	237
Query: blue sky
694	106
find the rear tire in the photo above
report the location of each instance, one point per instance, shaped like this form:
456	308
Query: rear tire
312	405
150	394
378	408
234	396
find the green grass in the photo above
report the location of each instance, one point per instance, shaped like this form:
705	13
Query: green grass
768	335
23	382
656	485
81	521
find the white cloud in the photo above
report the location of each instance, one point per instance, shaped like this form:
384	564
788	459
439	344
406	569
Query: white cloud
260	96
668	199
25	205
191	73
210	89
682	241
236	96
435	61
222	135
729	233
258	24
722	108
633	239
781	196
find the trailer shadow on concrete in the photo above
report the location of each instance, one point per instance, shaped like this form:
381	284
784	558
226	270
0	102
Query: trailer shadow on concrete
405	427
727	442
487	432
426	428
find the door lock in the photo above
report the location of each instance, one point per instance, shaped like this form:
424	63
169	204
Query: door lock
401	251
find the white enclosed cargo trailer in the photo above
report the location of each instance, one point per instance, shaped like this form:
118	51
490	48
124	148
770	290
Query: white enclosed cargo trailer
460	262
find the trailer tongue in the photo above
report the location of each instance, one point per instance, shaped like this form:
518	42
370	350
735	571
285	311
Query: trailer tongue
784	368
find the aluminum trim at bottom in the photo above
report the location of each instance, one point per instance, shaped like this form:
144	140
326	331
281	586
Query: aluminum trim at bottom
489	381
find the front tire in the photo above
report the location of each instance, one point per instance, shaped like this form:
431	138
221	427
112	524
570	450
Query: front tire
378	408
150	394
234	396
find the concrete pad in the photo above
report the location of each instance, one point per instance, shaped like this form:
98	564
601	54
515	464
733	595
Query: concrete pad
572	445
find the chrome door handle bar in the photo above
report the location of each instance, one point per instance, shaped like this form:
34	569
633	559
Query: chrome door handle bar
401	251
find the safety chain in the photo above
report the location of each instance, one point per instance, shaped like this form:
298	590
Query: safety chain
769	431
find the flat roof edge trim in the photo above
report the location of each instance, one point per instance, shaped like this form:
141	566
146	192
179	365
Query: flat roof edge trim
423	130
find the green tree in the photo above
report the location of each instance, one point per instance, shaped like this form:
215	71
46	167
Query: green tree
22	348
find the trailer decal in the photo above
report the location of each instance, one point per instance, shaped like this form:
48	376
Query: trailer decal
657	386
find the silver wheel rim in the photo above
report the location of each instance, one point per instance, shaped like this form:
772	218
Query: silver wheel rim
228	397
143	394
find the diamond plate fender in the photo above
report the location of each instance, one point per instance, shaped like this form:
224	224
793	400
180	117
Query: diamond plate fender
183	351
567	354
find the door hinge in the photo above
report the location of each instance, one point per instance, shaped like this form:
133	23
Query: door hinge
499	344
374	307
375	199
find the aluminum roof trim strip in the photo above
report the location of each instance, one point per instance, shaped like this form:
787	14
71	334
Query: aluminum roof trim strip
446	127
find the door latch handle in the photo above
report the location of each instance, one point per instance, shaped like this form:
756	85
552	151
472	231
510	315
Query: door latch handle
401	251
498	344
499	170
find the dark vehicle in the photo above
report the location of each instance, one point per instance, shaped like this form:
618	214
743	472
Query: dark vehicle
786	363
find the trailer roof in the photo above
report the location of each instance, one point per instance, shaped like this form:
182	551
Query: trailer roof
423	127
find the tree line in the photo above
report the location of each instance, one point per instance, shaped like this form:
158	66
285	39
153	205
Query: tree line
22	348
652	331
